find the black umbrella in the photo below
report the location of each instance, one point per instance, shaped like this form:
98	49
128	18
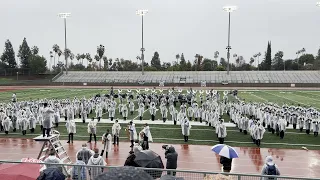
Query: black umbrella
149	159
168	177
124	173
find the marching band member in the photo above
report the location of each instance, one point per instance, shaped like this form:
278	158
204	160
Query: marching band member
84	113
131	107
98	112
14	98
164	113
147	137
92	130
294	120
71	128
308	125
132	133
196	112
315	127
174	114
186	126
259	132
221	131
301	122
112	112
124	111
7	124
282	126
23	124
190	113
47	123
116	127
106	140
2	117
32	123
153	111
56	117
141	111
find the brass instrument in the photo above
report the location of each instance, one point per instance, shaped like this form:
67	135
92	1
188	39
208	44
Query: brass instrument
127	130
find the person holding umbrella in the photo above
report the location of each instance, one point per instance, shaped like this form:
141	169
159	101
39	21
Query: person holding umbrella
226	153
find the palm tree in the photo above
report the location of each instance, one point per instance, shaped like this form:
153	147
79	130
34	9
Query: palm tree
50	59
55	49
105	61
216	55
83	56
67	53
59	54
71	57
235	56
88	57
97	58
178	57
78	57
251	61
100	53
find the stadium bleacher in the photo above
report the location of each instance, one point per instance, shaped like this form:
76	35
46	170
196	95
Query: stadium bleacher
190	77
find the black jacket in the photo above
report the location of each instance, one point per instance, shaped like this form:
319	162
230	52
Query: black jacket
226	163
172	158
130	161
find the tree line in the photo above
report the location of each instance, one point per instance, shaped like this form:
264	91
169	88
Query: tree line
29	58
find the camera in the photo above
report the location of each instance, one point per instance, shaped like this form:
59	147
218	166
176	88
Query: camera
165	147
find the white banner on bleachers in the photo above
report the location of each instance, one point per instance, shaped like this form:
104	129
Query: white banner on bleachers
84	84
161	83
203	83
293	85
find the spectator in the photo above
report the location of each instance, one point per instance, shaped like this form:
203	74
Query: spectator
270	168
85	153
52	159
172	157
226	163
96	160
79	170
130	160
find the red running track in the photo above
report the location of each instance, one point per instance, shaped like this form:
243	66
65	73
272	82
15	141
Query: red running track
298	163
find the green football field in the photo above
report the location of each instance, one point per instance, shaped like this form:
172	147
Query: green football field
199	134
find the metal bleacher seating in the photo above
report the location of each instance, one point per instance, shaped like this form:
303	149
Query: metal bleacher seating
191	77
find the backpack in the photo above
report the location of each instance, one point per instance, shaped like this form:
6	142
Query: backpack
271	170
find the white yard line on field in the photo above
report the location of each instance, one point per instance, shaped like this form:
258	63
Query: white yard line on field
252	94
195	140
284	98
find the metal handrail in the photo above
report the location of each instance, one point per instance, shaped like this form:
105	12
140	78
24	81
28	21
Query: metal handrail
204	173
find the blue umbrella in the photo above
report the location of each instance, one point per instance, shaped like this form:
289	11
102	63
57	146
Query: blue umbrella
225	151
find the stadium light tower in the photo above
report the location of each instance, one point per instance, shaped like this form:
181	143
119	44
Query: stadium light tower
65	16
142	13
229	9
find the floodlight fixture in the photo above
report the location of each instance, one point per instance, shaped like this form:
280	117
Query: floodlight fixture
230	8
64	15
318	4
142	12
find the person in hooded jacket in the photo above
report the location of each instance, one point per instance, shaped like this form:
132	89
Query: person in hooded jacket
172	157
53	159
96	160
270	168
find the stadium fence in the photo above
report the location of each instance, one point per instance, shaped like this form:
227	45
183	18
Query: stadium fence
186	174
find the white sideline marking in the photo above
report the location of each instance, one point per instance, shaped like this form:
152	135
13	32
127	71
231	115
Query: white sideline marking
284	98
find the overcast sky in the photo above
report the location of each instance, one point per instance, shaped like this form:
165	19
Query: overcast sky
171	26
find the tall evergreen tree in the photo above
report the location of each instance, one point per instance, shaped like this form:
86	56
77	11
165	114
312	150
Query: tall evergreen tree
155	61
24	54
268	59
8	56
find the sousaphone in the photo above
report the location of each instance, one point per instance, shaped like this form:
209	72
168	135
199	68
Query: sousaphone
160	90
225	92
201	92
146	89
180	90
